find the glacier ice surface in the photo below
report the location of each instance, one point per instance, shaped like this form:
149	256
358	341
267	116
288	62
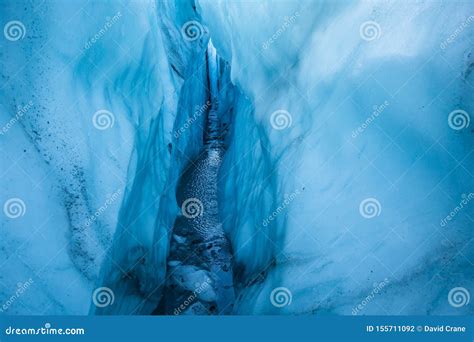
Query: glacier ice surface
338	103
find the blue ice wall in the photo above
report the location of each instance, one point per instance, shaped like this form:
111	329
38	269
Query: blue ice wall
346	157
98	145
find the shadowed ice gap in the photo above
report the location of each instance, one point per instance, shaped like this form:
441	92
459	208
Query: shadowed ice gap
199	267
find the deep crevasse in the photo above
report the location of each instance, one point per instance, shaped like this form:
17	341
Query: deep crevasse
305	61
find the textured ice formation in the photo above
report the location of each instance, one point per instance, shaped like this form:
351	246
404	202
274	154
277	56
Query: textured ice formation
347	179
363	93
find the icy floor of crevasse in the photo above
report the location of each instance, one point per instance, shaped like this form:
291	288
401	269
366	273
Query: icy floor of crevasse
199	265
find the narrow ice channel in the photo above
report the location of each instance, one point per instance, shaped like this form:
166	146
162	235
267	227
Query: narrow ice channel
199	267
